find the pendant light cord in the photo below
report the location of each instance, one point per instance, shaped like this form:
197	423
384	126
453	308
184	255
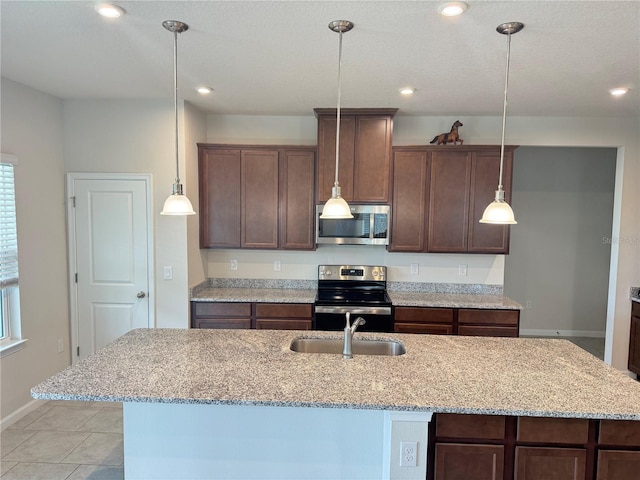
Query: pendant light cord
504	108
175	99
338	108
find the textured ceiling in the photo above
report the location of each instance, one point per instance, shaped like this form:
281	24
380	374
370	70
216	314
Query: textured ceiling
279	58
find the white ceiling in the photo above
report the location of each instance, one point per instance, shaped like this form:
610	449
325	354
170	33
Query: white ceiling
280	58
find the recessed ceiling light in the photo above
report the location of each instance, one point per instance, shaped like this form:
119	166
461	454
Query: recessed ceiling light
451	9
109	10
617	92
204	90
407	90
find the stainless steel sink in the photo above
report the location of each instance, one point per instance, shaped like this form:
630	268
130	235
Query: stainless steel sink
359	346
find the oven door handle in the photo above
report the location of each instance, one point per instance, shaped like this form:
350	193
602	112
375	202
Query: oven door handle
354	310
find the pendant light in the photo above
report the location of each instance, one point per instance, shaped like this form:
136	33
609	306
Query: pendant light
337	207
499	212
177	203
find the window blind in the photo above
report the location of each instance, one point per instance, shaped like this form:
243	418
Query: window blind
8	231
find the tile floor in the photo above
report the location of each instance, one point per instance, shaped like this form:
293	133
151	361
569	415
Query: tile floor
65	440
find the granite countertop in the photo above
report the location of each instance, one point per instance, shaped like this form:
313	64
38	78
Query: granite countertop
398	298
634	294
453	300
480	375
265	295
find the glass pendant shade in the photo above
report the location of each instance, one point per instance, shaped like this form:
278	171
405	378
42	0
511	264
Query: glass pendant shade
336	207
177	203
498	212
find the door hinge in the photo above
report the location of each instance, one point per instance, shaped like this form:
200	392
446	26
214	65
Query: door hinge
78	351
73	200
76	278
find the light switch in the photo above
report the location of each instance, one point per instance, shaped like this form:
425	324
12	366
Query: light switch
168	272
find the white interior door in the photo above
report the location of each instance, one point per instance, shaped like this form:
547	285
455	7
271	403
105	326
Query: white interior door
111	243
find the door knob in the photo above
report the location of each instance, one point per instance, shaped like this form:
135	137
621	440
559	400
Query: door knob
141	295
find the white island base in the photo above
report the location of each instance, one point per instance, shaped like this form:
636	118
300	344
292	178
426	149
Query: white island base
199	441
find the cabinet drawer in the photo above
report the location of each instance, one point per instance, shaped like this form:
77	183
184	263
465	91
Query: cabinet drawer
454	425
489	317
553	430
487	331
426	315
223	323
431	329
281	310
271	324
204	309
620	432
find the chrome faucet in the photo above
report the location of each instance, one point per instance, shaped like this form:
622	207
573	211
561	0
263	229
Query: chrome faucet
349	330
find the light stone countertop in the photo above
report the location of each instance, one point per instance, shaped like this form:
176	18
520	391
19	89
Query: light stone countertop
415	299
263	295
455	374
453	300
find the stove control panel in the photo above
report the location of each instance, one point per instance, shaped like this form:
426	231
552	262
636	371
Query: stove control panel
352	272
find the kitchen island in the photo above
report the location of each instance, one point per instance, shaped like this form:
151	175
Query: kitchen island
242	403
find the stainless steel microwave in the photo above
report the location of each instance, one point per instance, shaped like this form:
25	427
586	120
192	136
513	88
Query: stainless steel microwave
369	226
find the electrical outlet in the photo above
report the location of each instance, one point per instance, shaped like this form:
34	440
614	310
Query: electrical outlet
462	270
277	266
414	269
167	272
60	345
234	264
529	304
408	454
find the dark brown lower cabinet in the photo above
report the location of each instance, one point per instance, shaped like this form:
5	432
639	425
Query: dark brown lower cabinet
550	463
289	316
271	316
457	321
469	447
455	461
220	315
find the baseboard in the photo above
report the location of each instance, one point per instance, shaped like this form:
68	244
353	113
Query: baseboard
21	412
561	333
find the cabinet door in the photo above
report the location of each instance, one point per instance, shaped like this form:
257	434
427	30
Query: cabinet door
259	205
449	201
456	461
410	191
327	156
534	463
297	199
372	164
485	172
618	465
219	182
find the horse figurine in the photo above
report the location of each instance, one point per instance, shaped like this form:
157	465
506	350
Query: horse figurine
451	137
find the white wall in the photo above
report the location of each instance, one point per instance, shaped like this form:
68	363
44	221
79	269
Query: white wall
195	131
138	136
621	133
32	130
564	200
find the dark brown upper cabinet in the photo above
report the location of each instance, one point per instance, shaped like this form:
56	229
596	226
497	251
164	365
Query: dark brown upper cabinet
365	153
256	197
439	195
